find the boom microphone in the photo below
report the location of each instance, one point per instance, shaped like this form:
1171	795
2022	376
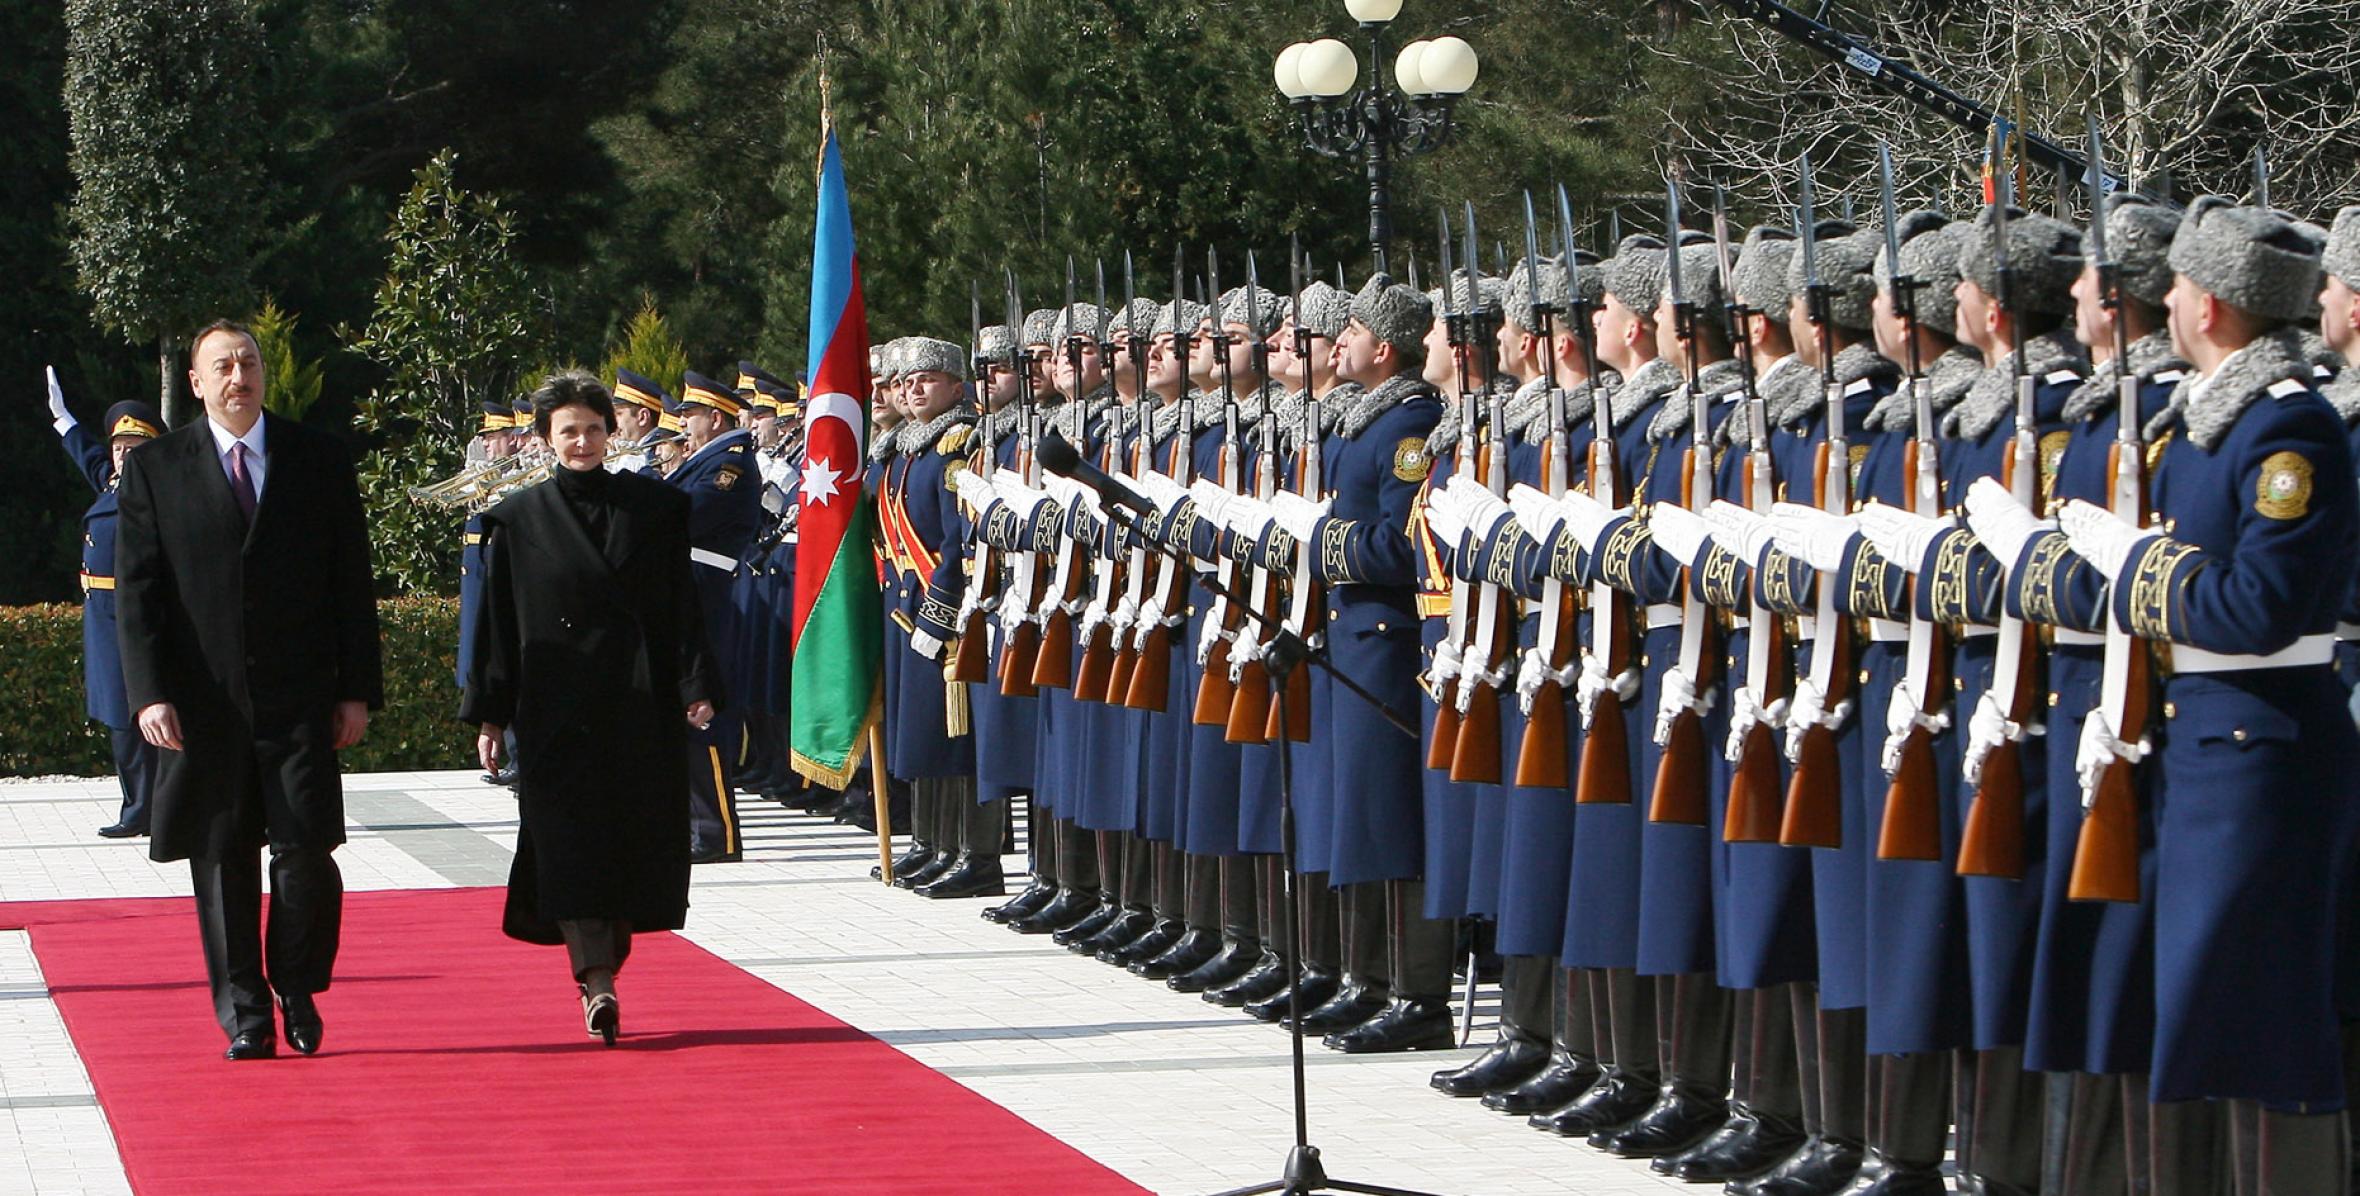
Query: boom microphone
1061	458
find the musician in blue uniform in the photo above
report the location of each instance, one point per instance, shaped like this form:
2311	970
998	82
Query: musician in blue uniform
495	438
725	514
128	425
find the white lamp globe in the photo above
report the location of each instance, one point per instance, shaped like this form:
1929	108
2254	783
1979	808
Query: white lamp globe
1287	71
1327	68
1448	66
1406	70
1373	12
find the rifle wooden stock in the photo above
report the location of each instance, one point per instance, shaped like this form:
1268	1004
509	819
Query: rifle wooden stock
2106	854
1053	663
1151	678
1090	679
1814	815
1993	842
1118	674
968	651
1912	826
1540	758
1475	756
1606	756
1215	694
1680	779
1443	743
1298	704
1757	795
1017	660
1249	706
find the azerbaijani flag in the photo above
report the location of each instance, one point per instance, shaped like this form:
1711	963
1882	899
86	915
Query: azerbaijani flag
837	637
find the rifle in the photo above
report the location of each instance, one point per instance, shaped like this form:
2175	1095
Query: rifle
1090	682
2106	855
1306	611
1444	742
1126	649
983	569
1151	680
1540	758
1249	709
1993	841
1475	754
1020	636
1605	776
1054	667
1216	688
1815	794
1912	799
1679	795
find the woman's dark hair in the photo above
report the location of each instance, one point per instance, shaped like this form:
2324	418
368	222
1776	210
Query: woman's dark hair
571	388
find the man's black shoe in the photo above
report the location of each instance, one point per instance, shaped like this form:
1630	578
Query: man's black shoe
1235	958
1511	1060
927	870
1158	939
1034	896
1353	1004
1099	916
1820	1167
1617	1099
1195	949
1127	928
1407	1024
1882	1175
1315	987
121	830
1068	907
302	1018
252	1044
1267	977
1680	1119
1558	1085
1747	1144
971	876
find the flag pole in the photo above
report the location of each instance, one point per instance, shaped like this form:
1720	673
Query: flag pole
884	801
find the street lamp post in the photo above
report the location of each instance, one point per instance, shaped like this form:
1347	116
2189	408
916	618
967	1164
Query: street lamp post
1376	122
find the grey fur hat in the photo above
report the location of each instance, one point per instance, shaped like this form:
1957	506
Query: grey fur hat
1589	276
2255	260
1847	267
1929	254
1491	291
2139	236
923	354
1397	315
892	359
1040	326
1082	319
2046	254
2343	246
1180	317
1635	273
995	341
1549	279
1140	313
1325	309
1259	309
1700	277
1760	273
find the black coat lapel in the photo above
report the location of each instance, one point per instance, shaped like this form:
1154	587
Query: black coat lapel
206	488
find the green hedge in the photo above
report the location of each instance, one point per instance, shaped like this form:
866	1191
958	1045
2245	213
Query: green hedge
44	732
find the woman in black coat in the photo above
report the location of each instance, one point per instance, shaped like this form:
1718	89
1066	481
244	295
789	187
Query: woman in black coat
590	651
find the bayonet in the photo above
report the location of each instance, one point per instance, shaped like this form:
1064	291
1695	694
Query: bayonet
2261	177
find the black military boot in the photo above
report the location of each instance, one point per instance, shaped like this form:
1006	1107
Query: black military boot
1193	950
1748	1144
1557	1085
1884	1175
1315	986
1617	1099
1267	976
973	874
1126	928
1034	896
1682	1117
1088	927
1405	1024
1236	958
1159	937
926	872
1355	1002
1822	1166
918	856
1067	909
1512	1058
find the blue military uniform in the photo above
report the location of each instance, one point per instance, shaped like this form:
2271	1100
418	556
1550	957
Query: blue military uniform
724	487
102	667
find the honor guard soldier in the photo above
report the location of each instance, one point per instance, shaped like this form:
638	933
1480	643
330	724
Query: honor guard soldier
2339	326
725	514
128	425
495	438
764	590
640	405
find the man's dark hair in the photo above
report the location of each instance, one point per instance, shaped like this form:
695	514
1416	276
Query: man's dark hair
572	388
221	325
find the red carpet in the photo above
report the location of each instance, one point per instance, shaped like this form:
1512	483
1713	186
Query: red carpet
454	1061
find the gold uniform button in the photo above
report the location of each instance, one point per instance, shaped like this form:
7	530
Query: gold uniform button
1380	626
2171	710
1958	685
1864	676
2238	735
2052	701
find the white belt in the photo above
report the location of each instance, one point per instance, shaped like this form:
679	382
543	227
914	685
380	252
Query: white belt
1806	627
1976	632
2309	650
706	556
2347	631
2080	638
1662	614
1887	631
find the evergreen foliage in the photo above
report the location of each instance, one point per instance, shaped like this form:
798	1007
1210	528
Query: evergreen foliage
292	383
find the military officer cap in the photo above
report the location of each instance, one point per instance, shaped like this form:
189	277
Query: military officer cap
496	417
2343	246
926	355
2044	251
520	411
2254	260
1635	273
778	396
131	417
995	341
1847	268
696	390
2139	237
1040	326
1257	308
1180	317
640	391
1397	315
1325	309
1759	275
1929	254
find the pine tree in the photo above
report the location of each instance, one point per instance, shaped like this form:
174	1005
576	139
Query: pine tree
649	349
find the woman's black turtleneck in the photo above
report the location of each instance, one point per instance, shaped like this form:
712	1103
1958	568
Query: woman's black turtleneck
586	495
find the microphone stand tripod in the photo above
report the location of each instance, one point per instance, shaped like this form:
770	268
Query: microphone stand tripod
1285	651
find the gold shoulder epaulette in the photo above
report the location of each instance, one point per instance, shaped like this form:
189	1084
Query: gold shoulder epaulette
954	441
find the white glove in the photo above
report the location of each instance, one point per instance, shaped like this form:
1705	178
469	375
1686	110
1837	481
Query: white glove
1446	515
1679	532
1484	511
1211	500
1022	499
1539	513
2105	538
2002	523
977	492
1677	697
1126	613
1151	616
58	414
2098	751
1588	518
1246	516
925	645
1810	709
1746	712
1812	535
1987	728
1899	536
1531	673
1161	490
1297	514
1594	683
1903	717
1740	532
1444	668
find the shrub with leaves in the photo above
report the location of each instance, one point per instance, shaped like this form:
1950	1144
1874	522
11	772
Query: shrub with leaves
649	349
292	383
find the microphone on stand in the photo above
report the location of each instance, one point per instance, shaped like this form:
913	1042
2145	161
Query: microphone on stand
1061	458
